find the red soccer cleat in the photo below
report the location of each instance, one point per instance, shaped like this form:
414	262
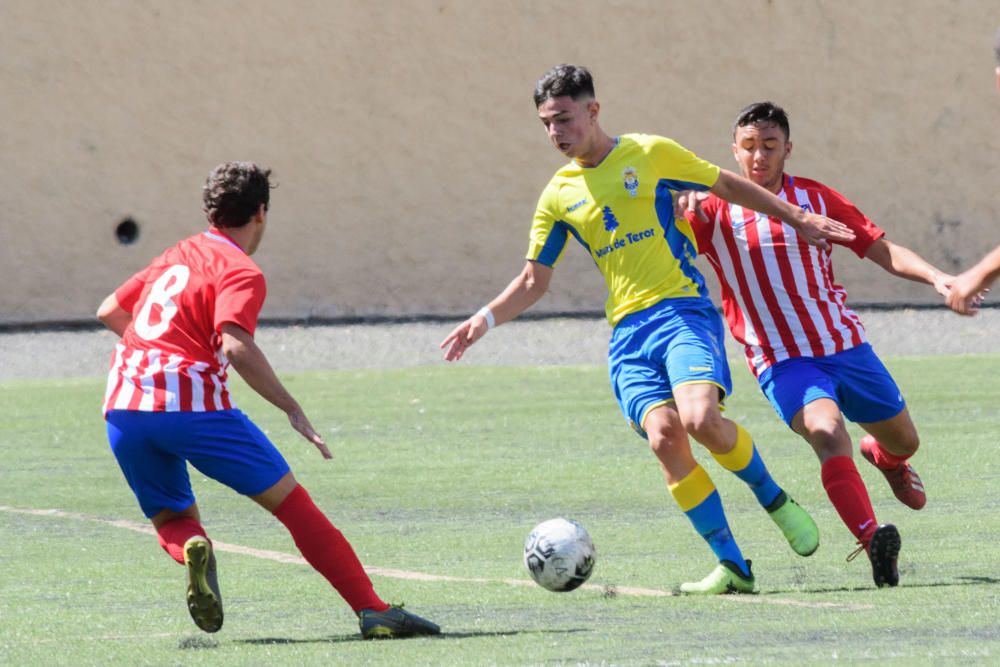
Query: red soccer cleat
903	479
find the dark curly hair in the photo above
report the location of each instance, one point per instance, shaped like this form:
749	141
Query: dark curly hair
564	79
234	192
763	113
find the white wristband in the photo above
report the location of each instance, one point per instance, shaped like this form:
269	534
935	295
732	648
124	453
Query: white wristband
488	315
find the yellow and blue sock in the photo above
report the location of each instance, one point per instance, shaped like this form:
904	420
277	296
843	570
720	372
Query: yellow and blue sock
700	501
745	462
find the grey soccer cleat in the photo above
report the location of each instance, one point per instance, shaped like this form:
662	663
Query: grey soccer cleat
394	622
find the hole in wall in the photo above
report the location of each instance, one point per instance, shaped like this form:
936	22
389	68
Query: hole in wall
127	231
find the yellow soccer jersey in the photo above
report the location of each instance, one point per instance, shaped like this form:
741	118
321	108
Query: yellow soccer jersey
622	212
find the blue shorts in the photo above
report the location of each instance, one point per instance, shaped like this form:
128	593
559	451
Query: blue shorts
653	351
152	449
856	379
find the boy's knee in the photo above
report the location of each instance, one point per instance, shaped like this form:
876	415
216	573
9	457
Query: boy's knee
706	428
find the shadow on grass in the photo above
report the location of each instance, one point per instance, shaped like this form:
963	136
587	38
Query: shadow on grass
446	635
188	643
959	581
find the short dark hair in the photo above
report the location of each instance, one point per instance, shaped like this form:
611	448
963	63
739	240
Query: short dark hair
234	192
760	113
564	79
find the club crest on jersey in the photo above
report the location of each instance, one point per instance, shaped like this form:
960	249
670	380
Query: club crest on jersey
806	207
610	221
631	181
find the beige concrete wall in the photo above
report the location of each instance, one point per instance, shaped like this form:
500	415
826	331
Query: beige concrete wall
405	140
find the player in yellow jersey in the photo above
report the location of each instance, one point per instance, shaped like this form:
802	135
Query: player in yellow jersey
666	359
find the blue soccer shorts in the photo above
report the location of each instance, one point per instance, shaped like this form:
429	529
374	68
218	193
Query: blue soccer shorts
856	379
654	351
152	449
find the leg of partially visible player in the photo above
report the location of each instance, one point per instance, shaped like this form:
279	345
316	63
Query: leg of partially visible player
731	445
158	477
183	537
321	543
328	551
889	445
694	492
868	396
821	424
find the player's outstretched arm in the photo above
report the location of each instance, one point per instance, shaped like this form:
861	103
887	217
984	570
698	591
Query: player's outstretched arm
903	262
113	316
816	229
522	292
249	361
967	290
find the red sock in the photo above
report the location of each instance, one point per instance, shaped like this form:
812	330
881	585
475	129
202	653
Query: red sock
174	533
849	496
327	550
886	460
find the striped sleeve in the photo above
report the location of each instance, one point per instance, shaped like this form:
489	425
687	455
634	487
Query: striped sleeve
841	209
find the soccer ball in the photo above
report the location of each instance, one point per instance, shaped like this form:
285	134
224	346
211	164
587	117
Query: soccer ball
559	554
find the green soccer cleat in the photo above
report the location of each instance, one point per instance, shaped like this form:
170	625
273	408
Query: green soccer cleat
394	622
203	598
795	523
725	578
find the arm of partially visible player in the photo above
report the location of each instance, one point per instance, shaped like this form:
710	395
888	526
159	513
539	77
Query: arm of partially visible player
967	288
249	361
522	292
903	262
113	316
815	229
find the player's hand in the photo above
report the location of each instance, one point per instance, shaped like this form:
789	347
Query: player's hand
688	204
966	294
819	230
300	423
461	337
942	283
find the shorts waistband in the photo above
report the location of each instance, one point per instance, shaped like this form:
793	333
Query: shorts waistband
675	304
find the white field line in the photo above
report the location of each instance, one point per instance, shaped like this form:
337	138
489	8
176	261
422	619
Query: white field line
281	557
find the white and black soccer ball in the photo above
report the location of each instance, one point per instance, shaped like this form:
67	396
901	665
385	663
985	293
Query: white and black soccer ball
559	554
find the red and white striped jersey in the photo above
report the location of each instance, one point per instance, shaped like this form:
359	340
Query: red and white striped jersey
170	357
779	295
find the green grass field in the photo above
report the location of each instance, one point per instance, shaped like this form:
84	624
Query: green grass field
443	471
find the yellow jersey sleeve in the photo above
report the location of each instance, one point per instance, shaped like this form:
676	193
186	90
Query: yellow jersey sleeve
548	232
679	168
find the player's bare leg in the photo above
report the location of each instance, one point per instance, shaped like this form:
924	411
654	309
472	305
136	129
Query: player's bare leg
888	447
669	442
732	446
182	536
694	492
822	425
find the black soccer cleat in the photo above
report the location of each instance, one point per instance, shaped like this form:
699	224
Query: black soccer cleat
883	550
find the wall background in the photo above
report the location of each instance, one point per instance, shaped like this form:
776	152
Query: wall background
405	142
